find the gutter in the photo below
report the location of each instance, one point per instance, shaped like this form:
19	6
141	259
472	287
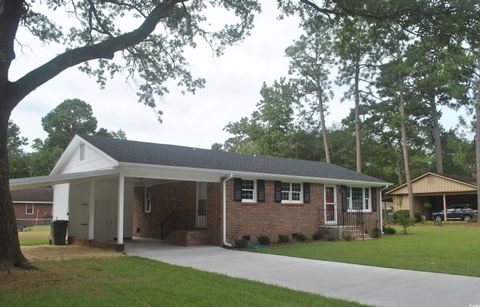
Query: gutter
224	183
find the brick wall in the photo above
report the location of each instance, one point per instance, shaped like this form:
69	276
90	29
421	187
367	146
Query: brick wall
40	211
271	218
165	198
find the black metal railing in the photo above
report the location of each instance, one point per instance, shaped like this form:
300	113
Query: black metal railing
188	219
355	221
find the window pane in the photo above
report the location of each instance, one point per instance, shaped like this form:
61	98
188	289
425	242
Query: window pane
247	194
247	185
357	198
329	195
285	196
285	186
367	193
295	196
296	187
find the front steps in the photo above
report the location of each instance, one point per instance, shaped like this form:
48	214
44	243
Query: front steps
187	237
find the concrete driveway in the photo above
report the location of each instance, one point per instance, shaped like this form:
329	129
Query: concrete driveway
360	283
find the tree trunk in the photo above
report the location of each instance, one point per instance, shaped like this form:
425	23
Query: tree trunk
436	136
10	253
324	127
398	170
477	140
358	144
406	158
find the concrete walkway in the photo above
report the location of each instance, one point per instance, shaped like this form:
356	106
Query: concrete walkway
360	283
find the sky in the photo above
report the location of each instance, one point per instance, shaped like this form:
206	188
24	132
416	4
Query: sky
231	92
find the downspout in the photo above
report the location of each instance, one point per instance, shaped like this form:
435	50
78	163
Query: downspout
224	183
381	207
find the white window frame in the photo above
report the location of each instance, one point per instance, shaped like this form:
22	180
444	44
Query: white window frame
334	222
289	200
350	209
246	200
147	202
26	209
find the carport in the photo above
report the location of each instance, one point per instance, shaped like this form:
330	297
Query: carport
435	192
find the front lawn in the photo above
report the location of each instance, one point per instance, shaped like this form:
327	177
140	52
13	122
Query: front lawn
36	235
453	249
132	281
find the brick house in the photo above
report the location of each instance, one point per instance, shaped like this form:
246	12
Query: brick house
33	206
115	189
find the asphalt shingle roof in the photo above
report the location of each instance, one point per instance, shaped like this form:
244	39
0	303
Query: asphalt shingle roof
173	155
39	194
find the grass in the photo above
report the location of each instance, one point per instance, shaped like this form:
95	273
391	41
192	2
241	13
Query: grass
453	249
36	235
132	281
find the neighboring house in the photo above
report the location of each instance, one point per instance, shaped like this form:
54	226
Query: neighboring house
33	206
114	189
435	192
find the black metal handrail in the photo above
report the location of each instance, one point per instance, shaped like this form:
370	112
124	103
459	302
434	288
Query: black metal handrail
357	220
187	219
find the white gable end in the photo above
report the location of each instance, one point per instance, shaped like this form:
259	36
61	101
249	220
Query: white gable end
81	156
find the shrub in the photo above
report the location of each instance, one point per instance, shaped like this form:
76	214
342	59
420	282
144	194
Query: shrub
283	238
376	233
263	240
332	238
398	214
301	237
406	221
317	235
389	230
241	243
347	237
419	217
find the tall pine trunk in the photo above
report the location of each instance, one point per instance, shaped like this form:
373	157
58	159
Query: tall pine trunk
358	144
436	135
477	139
406	158
321	110
10	253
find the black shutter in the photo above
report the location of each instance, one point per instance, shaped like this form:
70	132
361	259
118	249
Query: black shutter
278	191
306	192
344	198
261	191
237	189
374	199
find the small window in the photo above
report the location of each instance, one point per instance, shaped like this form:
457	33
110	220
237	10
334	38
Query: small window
147	204
29	209
292	192
359	199
82	152
248	191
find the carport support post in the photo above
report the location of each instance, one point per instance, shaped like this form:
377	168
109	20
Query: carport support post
444	207
120	212
91	212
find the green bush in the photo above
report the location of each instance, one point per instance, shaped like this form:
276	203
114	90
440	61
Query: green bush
301	237
347	237
405	222
263	240
283	238
419	217
398	214
241	243
317	235
389	230
376	233
332	238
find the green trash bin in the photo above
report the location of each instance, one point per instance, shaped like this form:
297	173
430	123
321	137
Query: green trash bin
59	232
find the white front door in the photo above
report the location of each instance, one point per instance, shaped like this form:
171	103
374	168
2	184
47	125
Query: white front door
201	208
330	205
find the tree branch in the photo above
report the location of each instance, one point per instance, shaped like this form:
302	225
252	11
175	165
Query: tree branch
16	91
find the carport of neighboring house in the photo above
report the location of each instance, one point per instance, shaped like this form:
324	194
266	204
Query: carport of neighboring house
435	192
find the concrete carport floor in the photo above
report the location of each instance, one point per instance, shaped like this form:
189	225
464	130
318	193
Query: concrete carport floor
360	283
